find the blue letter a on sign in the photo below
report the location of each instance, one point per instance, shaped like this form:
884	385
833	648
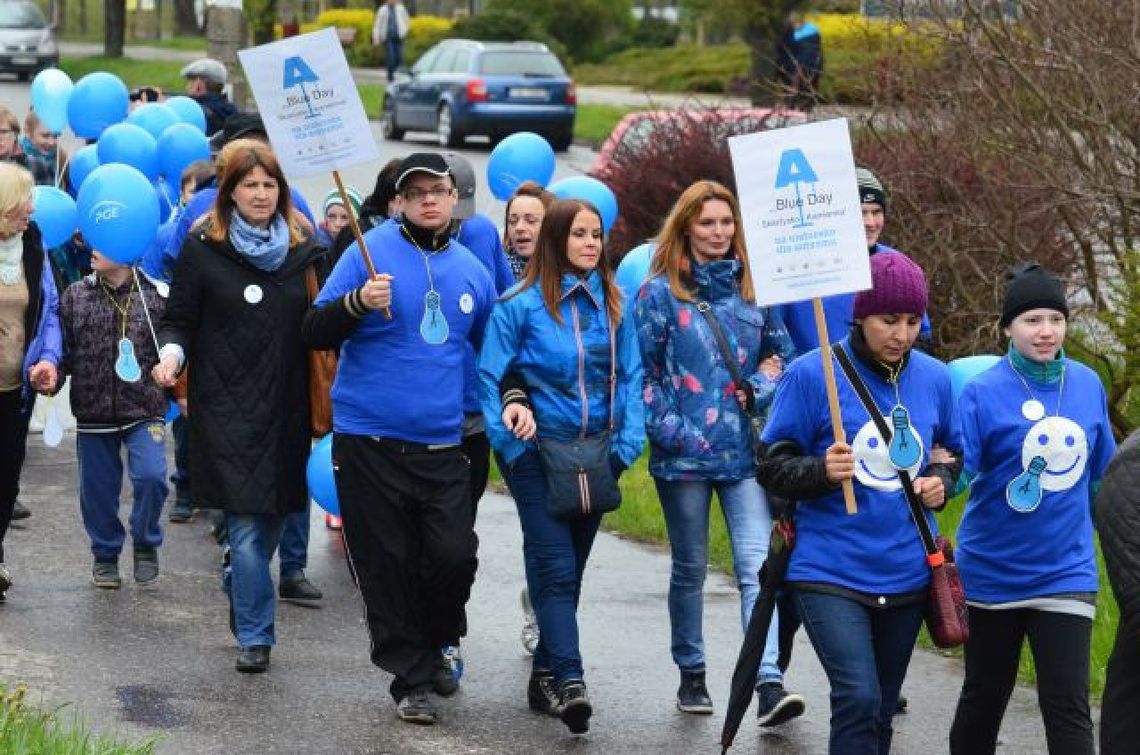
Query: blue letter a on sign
297	71
794	168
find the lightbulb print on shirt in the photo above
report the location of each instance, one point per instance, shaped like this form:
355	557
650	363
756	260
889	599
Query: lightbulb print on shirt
873	465
1053	457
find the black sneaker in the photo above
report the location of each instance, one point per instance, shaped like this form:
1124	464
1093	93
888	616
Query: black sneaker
105	575
20	511
253	660
693	695
542	695
146	566
300	591
443	680
776	705
417	708
575	704
181	512
900	706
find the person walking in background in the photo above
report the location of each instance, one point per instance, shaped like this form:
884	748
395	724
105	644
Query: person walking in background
205	84
235	311
334	214
40	146
860	581
383	203
1118	524
31	346
390	29
1037	440
562	330
403	481
799	63
10	151
111	312
698	422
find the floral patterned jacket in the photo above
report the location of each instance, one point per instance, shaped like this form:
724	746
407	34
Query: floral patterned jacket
695	425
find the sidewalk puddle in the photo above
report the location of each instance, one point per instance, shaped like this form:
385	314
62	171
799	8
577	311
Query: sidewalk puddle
150	706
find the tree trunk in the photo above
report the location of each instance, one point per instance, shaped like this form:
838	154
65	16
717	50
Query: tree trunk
83	17
185	20
225	35
761	39
115	26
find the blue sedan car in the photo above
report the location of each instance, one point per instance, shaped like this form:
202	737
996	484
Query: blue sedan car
461	88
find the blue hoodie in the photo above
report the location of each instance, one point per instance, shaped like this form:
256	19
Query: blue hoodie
390	382
559	364
696	428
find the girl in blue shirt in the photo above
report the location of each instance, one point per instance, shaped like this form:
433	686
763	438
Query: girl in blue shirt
861	580
698	425
1037	440
562	330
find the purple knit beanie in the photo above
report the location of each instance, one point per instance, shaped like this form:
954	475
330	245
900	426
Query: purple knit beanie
898	286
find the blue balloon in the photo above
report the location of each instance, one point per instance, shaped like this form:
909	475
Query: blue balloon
131	145
591	190
172	412
99	100
155	117
118	212
188	111
54	214
634	269
520	157
167	199
966	369
82	163
319	473
51	91
179	146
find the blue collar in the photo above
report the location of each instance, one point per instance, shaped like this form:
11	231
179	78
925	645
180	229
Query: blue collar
717	280
1046	373
591	285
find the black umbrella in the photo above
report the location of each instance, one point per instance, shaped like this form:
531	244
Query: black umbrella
748	662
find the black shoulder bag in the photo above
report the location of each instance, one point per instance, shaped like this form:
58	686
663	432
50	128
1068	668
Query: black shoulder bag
757	424
579	479
947	618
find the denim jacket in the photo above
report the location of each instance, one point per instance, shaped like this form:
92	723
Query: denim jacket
566	368
696	427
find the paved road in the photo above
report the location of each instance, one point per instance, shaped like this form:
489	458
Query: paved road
158	661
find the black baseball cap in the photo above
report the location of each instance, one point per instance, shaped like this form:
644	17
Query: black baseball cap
237	126
422	162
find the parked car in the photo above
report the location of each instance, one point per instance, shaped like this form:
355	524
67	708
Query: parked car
636	129
461	88
27	41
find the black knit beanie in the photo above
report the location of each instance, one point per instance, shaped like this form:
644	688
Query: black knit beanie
1030	286
870	188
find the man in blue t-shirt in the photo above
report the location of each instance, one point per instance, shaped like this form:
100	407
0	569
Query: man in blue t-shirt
402	478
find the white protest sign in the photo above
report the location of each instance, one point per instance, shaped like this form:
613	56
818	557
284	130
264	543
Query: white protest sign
309	102
799	201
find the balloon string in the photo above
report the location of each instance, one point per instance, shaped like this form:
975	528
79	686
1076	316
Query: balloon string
166	196
60	165
146	309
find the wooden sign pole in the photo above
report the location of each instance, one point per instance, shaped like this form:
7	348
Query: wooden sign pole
832	395
357	234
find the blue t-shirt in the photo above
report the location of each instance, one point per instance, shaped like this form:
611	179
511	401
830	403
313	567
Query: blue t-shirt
799	317
479	234
1006	554
390	382
876	550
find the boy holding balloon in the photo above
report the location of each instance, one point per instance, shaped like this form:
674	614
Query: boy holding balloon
109	347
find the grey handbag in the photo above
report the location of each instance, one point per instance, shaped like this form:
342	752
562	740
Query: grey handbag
579	479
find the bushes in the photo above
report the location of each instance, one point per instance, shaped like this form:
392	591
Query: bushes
505	25
587	29
424	32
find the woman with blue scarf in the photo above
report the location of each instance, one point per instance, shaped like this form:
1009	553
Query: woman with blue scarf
236	304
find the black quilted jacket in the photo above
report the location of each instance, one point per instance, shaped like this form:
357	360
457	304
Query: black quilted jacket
1118	522
249	387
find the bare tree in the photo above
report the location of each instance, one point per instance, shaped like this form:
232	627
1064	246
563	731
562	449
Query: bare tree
185	19
114	27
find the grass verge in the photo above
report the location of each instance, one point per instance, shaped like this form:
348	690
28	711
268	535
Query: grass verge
26	730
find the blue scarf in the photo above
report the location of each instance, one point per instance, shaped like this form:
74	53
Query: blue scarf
1043	372
264	248
30	149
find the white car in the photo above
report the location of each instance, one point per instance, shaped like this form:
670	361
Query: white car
27	40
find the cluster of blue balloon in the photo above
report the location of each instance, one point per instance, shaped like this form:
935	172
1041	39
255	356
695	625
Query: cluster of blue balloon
128	180
528	157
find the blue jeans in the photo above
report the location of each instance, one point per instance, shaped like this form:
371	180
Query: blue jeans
101	481
180	427
865	652
555	553
686	505
247	581
393	56
293	551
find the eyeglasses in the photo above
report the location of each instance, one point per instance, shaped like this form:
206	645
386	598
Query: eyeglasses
416	194
7	131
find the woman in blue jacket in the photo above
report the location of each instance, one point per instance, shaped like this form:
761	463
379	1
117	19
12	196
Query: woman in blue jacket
558	329
861	580
700	438
30	341
1037	440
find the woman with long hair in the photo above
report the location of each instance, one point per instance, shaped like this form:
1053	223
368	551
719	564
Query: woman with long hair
236	305
860	580
562	330
698	421
1037	440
